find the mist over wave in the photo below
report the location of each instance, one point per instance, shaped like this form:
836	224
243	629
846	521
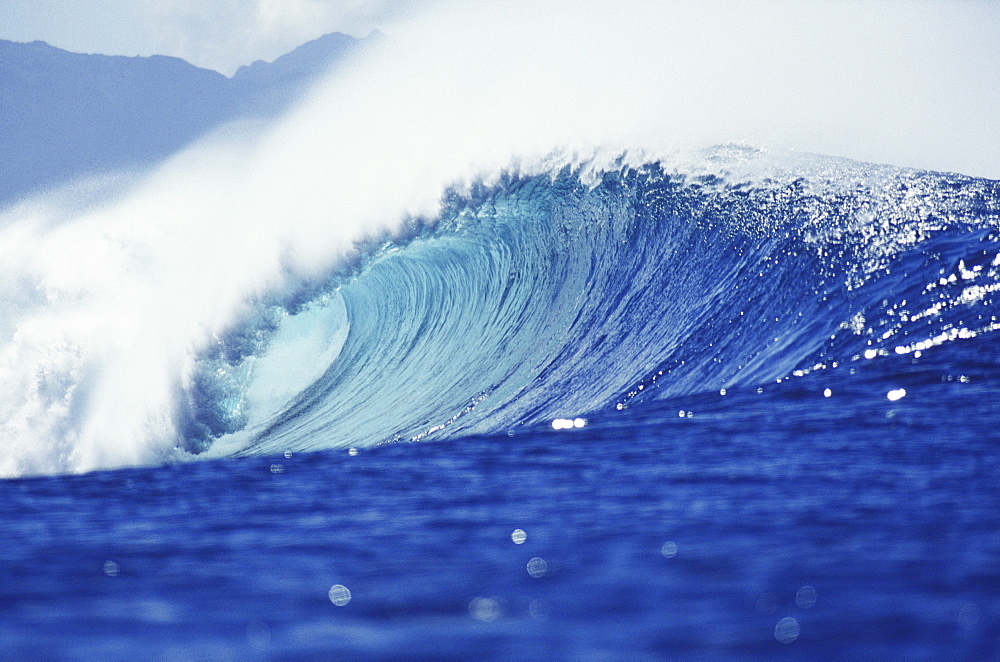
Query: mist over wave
113	307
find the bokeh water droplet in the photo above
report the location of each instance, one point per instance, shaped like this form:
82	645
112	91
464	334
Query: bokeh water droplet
537	567
806	597
787	630
339	595
539	609
484	609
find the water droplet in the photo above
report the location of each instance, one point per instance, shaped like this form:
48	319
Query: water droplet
484	609
518	536
787	630
669	549
827	393
539	609
968	616
277	468
806	597
537	567
111	569
339	595
896	394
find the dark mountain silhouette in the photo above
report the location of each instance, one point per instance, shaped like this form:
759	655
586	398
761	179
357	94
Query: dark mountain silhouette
63	115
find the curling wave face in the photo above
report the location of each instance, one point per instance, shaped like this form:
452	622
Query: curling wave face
579	291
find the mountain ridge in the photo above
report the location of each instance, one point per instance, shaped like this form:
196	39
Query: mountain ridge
65	115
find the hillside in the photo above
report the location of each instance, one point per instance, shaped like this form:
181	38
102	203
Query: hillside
63	115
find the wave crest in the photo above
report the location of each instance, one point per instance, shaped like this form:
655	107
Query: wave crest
544	296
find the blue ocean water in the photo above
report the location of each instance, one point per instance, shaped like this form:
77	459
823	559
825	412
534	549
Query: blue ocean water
743	409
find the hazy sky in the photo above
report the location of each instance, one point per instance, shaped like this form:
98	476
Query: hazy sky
216	34
908	82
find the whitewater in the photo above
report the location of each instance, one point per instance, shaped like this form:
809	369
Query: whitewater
118	299
533	331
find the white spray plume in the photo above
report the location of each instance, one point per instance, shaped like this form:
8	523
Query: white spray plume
105	307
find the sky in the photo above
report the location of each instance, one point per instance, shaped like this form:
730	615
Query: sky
215	34
908	82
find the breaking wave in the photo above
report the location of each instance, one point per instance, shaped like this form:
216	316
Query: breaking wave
576	291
